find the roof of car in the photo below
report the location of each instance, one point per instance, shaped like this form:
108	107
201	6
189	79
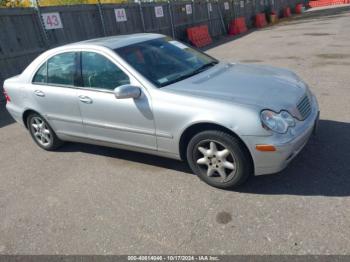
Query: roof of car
114	42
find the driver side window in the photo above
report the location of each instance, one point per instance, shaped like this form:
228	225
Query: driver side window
100	72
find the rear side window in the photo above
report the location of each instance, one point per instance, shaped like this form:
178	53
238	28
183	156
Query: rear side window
61	69
100	72
40	76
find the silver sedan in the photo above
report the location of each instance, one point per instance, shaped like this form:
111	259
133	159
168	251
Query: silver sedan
152	94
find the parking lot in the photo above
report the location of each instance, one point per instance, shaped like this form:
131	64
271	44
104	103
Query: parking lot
85	199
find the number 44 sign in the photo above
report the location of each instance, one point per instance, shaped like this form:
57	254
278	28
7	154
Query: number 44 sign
52	21
120	15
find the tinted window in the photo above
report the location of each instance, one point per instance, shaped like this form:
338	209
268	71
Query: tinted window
61	69
40	76
100	72
164	61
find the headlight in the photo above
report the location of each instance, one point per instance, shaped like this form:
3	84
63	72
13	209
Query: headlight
277	122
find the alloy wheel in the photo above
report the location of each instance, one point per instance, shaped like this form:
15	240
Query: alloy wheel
215	160
41	132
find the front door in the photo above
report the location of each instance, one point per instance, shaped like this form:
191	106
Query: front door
127	122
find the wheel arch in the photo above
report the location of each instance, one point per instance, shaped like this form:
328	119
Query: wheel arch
194	129
25	115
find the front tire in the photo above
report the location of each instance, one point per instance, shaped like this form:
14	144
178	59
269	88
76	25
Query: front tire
219	159
42	133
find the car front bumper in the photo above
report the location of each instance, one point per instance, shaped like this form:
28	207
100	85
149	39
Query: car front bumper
287	145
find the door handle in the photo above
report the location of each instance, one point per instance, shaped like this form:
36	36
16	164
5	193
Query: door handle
39	93
85	99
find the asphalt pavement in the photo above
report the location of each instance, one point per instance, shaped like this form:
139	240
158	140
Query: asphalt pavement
85	199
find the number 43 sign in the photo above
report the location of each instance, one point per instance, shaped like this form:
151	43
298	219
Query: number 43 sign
52	21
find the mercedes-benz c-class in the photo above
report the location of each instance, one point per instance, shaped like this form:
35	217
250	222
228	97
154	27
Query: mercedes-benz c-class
152	94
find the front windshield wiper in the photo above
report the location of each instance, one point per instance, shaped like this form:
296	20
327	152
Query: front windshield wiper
204	67
194	72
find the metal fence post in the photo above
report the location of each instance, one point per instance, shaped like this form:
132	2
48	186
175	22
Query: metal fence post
193	15
100	11
171	19
42	26
142	18
233	10
221	17
208	11
209	16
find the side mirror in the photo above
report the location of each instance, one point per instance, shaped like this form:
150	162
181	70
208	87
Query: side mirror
127	91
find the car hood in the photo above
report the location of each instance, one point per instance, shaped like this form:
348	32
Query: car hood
262	86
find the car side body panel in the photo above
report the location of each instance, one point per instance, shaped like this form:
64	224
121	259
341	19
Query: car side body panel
172	120
59	106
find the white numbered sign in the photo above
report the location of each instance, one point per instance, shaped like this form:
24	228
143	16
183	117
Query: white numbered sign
188	9
210	8
52	21
242	4
120	15
226	6
158	10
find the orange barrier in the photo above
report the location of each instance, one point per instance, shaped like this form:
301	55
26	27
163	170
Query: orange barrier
237	26
199	35
260	20
190	33
273	18
320	3
286	12
299	8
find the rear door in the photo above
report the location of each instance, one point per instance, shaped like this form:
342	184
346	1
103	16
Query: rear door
55	96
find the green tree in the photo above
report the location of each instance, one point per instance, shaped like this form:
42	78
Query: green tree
15	3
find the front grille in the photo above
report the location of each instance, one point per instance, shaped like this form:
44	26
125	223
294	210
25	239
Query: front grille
304	107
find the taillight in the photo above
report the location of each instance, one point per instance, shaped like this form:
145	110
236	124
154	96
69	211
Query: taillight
8	99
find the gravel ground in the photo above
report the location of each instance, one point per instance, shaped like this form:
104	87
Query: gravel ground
87	199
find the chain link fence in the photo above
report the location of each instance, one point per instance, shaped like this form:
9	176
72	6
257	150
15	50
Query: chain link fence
26	32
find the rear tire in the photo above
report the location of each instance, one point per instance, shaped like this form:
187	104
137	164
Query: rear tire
219	159
41	132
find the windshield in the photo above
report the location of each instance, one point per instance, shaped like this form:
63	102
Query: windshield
164	61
